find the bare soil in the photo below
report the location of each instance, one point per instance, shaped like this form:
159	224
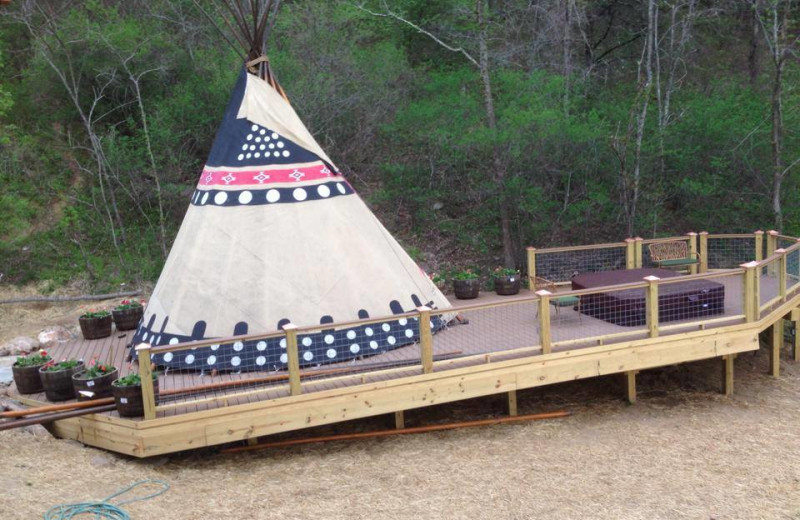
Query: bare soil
683	451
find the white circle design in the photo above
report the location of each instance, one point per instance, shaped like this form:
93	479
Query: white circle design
299	194
340	187
254	128
236	361
368	331
329	339
220	198
248	155
249	136
285	153
274	135
168	357
351	334
323	191
284	358
244	146
174	341
308	356
354	348
261	345
390	340
189	359
238	346
214	347
331	353
386	327
261	360
373	344
245	197
273	196
280	144
306	342
240	156
283	343
211	360
256	155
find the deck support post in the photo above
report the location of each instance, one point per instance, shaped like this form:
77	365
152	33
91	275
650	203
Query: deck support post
146	375
637	252
425	339
703	251
692	250
293	359
531	268
727	374
775	349
795	317
781	273
544	320
759	236
750	295
512	403
630	386
651	305
399	420
630	253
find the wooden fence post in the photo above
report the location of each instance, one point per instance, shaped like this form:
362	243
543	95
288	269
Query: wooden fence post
775	351
782	265
772	245
704	251
692	251
651	304
544	320
750	296
637	252
425	339
630	253
146	375
531	268
292	359
759	236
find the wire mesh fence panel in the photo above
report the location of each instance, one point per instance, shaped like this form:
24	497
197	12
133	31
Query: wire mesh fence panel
560	266
792	267
768	281
597	317
785	242
489	334
729	253
706	300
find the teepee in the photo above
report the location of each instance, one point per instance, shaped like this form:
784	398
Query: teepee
274	234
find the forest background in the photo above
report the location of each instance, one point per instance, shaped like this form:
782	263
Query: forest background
471	128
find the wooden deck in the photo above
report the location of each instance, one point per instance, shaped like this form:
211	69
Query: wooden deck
498	351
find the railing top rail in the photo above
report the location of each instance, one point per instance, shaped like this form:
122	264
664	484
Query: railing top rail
731	235
562	249
787	237
702	276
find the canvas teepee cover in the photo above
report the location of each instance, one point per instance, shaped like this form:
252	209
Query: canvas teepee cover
274	234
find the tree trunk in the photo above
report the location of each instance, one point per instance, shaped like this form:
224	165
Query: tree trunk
777	144
491	120
753	61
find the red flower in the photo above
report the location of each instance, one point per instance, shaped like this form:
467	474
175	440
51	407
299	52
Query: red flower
42	353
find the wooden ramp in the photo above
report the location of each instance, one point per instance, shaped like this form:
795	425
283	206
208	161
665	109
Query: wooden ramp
509	344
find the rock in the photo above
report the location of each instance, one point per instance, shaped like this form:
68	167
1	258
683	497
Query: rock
53	335
102	461
19	346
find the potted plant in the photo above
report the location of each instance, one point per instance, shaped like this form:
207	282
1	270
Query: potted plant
438	280
506	281
128	314
95	381
95	324
26	372
128	394
57	378
466	284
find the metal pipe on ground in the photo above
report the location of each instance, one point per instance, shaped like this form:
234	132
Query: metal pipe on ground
403	431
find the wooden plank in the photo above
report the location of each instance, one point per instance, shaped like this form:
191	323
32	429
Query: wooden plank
692	251
651	305
425	339
146	375
512	403
630	386
630	253
293	359
775	349
544	320
531	256
399	419
703	251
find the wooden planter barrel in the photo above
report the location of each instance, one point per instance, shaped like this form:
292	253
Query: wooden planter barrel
507	285
27	379
58	385
94	328
127	319
466	289
99	386
129	399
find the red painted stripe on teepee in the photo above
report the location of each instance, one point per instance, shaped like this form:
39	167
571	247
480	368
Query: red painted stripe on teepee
264	177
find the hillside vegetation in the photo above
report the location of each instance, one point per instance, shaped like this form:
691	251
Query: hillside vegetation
472	129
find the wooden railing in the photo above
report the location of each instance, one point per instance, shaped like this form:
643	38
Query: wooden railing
775	267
